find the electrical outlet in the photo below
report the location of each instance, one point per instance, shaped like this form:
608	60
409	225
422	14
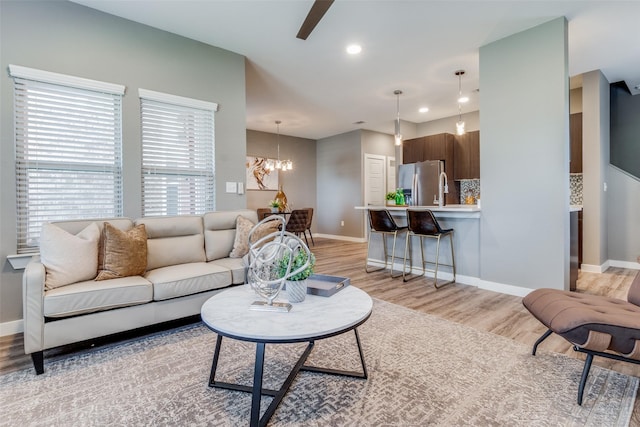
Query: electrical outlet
341	223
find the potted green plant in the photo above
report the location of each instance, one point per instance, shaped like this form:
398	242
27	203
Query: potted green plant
302	265
391	198
274	205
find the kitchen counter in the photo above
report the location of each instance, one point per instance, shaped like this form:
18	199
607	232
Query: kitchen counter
447	211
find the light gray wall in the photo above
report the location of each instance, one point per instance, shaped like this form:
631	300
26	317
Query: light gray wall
299	184
339	184
623	227
595	167
448	124
67	38
524	158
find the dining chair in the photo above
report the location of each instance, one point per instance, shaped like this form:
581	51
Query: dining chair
309	219
297	223
262	213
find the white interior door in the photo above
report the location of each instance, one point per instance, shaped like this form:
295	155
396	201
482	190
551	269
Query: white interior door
375	179
375	182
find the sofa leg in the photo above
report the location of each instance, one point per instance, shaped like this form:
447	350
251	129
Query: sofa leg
585	374
38	361
542	338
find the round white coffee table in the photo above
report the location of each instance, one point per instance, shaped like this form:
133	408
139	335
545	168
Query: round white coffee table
228	314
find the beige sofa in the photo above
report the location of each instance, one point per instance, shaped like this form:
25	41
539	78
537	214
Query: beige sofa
187	262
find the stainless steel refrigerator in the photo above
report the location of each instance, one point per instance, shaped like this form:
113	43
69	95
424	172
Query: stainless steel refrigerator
420	181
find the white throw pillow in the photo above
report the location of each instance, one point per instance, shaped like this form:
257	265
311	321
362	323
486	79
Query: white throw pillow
68	258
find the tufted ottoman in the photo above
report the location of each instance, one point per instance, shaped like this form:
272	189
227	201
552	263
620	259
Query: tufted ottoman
595	325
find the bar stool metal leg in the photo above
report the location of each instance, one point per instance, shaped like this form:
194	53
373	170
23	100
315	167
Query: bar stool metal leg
380	221
423	225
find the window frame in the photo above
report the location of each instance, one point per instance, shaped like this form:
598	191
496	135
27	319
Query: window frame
100	101
187	131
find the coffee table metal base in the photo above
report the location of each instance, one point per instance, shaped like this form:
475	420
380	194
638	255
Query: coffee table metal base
257	391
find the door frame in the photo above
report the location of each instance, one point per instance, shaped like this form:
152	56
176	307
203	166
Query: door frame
365	187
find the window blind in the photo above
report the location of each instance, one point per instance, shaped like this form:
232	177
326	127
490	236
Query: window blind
68	155
177	157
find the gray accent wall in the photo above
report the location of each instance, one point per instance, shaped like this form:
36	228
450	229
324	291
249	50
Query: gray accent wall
339	178
623	218
67	38
298	184
524	158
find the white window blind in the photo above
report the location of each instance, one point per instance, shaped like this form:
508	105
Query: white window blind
68	152
177	155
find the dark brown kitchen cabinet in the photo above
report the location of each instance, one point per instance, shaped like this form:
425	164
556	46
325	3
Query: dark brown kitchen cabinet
467	156
434	147
412	150
575	136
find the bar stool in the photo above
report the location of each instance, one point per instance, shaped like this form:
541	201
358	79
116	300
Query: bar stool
423	224
381	221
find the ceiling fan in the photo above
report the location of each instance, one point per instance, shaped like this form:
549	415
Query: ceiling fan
316	13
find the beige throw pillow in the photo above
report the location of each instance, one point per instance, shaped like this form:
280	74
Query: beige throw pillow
243	228
122	253
68	258
241	242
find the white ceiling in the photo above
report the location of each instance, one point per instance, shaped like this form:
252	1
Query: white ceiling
317	90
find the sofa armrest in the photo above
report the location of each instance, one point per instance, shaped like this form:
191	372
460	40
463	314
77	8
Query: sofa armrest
33	306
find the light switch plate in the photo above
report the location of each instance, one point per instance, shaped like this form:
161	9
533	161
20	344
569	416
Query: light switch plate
232	187
241	188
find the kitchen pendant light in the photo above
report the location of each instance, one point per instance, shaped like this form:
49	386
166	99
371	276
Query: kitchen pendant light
460	124
282	165
397	136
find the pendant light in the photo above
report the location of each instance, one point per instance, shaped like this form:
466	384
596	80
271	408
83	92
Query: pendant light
397	136
461	99
282	165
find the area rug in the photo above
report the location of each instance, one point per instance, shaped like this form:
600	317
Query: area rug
422	371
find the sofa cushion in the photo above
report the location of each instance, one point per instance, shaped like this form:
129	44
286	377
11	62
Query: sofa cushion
69	258
220	231
186	279
236	265
173	240
91	296
122	253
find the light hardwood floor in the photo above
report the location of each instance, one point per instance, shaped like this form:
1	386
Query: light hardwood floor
485	310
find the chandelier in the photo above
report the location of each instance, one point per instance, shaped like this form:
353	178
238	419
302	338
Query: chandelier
282	165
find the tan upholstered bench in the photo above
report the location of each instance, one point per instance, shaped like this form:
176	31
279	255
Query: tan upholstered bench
595	325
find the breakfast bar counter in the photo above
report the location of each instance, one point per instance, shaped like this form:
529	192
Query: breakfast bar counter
464	219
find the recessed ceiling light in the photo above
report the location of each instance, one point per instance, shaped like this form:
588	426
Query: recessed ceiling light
423	109
354	49
463	99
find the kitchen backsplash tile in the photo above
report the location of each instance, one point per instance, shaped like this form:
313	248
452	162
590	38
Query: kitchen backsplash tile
472	187
469	187
575	182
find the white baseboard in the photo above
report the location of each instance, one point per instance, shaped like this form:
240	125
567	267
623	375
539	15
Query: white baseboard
11	328
345	238
465	280
504	288
625	264
592	268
